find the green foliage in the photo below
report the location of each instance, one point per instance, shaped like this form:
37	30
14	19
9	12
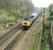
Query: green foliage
16	7
51	9
5	19
50	12
50	18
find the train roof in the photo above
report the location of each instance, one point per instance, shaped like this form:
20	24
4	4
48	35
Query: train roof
34	14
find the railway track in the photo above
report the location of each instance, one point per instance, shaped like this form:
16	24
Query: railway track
9	36
12	39
4	38
7	32
6	35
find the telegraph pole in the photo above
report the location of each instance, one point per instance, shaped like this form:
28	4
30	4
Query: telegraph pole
50	14
43	20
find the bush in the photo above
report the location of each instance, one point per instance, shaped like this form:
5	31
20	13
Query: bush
5	19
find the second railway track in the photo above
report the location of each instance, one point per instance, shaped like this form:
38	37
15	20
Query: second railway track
11	40
8	37
7	42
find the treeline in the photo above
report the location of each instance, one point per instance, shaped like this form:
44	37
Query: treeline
16	8
50	8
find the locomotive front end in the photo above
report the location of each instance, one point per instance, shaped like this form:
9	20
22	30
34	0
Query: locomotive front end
25	24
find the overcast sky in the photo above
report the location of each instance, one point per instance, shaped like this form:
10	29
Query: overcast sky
42	3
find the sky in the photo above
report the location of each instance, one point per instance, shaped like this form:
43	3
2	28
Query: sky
42	3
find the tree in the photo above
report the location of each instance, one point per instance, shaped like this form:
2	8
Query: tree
50	12
15	6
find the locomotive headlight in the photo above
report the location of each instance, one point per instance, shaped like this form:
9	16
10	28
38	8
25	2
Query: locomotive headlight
28	23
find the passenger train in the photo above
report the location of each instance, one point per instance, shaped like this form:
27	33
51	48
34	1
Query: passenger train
27	22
